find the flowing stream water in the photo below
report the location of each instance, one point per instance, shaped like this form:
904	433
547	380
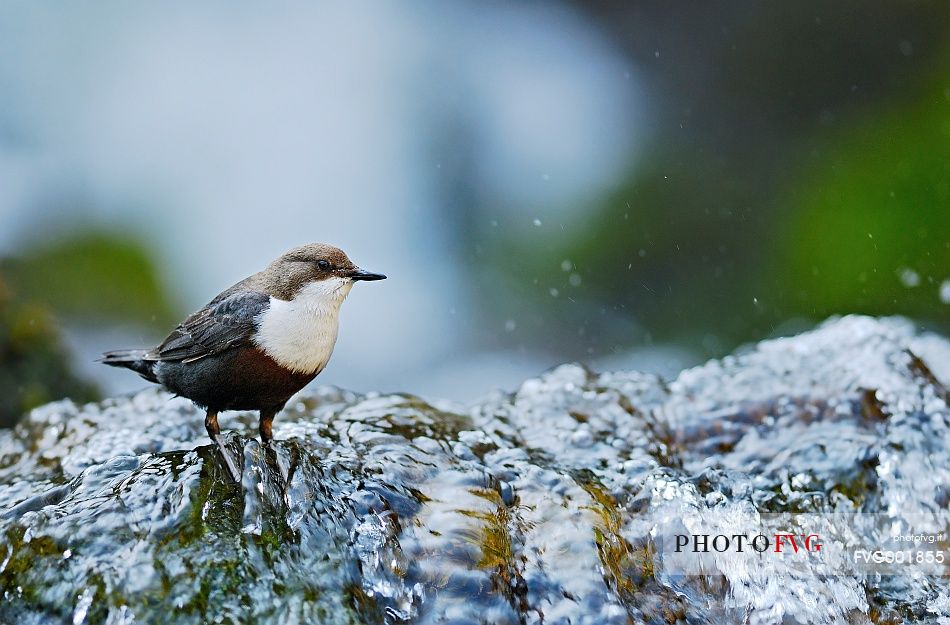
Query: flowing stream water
548	505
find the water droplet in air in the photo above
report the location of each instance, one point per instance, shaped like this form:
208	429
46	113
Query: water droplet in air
909	277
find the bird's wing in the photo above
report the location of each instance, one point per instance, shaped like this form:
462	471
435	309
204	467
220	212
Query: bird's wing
224	323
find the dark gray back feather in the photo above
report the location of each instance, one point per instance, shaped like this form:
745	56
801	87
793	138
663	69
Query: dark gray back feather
228	321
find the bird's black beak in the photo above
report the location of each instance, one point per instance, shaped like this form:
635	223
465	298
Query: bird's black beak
359	274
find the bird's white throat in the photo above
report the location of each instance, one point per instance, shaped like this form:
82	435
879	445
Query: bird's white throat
300	334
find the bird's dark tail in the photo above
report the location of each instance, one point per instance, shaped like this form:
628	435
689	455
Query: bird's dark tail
134	359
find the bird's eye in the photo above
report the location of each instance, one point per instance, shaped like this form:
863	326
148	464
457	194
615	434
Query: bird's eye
323	265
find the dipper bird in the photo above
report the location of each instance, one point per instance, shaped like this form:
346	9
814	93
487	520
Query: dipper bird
259	342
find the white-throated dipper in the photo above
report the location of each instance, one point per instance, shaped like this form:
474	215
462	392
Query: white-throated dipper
259	342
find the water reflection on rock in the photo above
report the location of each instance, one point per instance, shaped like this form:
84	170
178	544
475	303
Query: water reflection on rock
530	508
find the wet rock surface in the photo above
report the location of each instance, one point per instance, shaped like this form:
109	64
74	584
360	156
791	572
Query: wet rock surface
536	507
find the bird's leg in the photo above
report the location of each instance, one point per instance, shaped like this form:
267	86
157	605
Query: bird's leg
266	425
211	424
214	431
270	451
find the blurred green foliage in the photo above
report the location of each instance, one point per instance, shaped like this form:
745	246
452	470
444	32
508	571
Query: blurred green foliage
36	368
876	206
93	274
714	247
87	277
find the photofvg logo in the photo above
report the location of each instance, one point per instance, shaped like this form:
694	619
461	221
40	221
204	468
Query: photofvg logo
724	541
721	543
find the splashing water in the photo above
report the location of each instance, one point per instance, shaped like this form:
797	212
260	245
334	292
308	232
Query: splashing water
541	506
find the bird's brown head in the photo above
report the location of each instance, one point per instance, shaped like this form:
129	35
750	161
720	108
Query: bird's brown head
314	263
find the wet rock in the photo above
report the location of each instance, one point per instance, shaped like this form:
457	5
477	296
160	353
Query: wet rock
539	507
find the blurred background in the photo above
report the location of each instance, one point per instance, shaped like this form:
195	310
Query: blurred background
631	185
